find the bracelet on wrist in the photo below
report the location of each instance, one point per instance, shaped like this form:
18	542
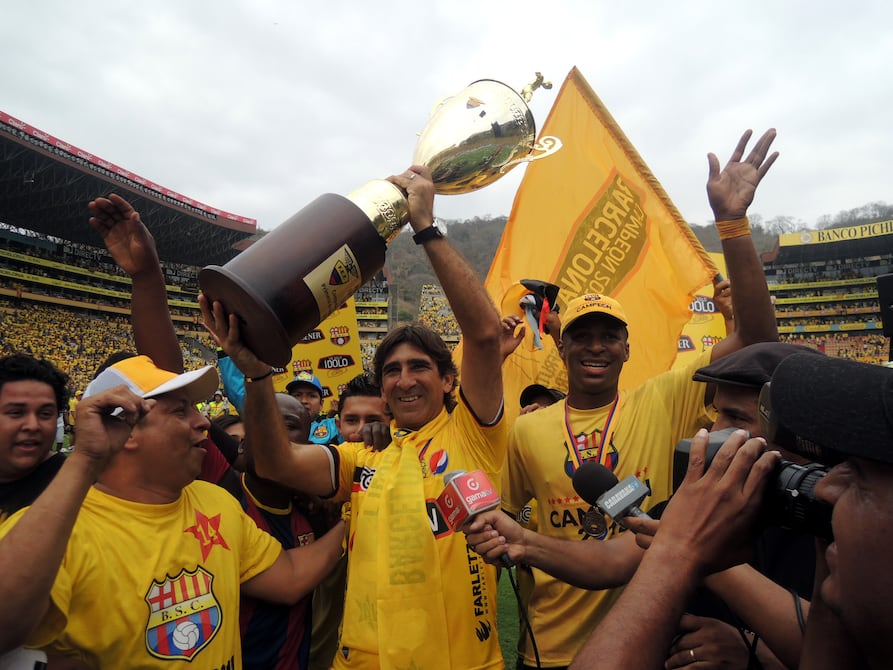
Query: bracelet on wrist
268	373
735	228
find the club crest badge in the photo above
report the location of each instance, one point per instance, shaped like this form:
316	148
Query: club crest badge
184	615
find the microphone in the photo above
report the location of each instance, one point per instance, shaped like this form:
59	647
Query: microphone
464	495
598	486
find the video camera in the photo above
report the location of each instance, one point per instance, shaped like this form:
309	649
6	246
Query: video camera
790	500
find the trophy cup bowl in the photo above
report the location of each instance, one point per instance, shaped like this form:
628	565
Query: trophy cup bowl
477	136
285	284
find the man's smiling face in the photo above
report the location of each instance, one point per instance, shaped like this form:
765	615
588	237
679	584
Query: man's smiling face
412	387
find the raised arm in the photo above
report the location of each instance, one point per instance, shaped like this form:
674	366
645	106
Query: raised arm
730	192
132	247
34	545
481	373
303	467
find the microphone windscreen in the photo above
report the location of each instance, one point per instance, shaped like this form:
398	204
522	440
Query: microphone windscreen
451	475
591	480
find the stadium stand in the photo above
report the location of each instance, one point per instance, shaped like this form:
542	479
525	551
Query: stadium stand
435	312
62	297
825	288
46	183
374	319
75	317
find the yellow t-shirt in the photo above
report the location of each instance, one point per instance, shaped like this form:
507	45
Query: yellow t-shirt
647	424
467	603
154	586
72	410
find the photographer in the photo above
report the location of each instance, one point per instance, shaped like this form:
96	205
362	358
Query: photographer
839	411
723	622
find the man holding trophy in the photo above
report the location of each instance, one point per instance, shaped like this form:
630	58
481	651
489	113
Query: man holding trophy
417	596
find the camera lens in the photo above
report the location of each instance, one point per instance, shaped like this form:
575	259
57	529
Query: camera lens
791	501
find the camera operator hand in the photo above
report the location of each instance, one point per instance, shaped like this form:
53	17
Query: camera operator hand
712	644
709	522
706	526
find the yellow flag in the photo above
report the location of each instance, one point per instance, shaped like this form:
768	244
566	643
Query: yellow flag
592	218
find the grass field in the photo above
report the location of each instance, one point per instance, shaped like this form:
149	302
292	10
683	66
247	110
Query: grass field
507	621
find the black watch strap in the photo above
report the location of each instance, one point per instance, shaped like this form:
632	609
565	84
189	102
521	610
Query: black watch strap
432	232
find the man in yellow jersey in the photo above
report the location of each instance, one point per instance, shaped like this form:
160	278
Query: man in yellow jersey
417	596
130	562
631	432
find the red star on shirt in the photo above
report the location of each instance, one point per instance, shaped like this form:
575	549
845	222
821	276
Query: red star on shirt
207	532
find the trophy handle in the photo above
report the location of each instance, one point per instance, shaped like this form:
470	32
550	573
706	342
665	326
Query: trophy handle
548	145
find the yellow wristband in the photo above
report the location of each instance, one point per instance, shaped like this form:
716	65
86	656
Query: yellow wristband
734	228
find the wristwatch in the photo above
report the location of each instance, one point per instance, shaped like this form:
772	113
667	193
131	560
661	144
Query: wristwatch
432	232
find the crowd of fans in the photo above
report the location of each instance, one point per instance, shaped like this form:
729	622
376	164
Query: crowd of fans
830	270
435	312
863	348
76	341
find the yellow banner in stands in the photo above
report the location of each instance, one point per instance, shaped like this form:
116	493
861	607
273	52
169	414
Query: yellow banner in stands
331	351
74	269
836	234
706	326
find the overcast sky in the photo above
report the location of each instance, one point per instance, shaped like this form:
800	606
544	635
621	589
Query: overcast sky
259	107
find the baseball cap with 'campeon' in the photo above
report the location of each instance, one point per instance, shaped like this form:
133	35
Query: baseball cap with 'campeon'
145	379
592	303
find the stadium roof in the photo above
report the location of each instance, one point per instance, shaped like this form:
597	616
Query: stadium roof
861	241
45	185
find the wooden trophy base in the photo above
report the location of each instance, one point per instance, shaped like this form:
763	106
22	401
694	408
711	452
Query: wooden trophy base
284	285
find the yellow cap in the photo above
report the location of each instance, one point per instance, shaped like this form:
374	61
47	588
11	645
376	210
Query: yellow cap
592	303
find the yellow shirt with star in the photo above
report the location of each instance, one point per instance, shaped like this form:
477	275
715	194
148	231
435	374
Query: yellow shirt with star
154	586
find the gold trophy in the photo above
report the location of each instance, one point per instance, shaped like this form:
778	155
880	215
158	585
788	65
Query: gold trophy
284	285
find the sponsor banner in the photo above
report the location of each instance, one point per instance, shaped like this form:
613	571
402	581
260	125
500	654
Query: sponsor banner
331	351
706	326
859	232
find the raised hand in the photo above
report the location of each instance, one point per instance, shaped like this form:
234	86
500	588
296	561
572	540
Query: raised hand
416	182
126	237
722	297
731	191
